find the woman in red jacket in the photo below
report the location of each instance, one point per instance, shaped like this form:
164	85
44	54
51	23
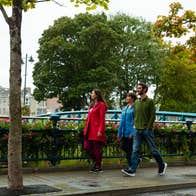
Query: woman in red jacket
94	131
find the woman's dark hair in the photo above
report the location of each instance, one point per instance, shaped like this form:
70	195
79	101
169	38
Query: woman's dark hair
132	95
99	97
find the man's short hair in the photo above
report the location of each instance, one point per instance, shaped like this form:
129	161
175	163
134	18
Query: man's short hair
144	86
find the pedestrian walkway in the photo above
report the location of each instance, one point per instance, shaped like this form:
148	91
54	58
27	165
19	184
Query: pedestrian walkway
111	181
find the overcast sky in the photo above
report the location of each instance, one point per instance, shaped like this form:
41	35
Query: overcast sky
38	19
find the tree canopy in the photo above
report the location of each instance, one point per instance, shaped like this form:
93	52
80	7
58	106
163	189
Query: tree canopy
75	56
28	4
177	89
141	54
175	24
95	51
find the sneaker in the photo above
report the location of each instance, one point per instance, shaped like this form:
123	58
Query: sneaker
96	170
92	169
128	172
162	169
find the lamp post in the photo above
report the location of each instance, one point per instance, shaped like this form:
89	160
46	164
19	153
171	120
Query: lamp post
30	59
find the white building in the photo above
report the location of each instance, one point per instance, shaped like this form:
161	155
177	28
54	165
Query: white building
4	101
36	108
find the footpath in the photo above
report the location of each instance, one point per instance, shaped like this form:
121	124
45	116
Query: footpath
111	182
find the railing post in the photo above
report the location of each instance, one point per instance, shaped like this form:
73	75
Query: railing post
79	116
115	116
189	123
182	118
163	117
54	133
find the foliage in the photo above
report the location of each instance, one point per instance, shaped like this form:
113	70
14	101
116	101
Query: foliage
28	124
141	54
193	128
26	110
71	125
177	89
177	127
47	124
174	24
4	123
93	51
177	138
90	4
75	56
38	124
40	138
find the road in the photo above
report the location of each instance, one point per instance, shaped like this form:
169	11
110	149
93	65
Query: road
183	192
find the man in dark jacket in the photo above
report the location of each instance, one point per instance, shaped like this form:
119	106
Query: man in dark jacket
144	114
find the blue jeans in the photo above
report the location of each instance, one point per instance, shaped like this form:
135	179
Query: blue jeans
140	136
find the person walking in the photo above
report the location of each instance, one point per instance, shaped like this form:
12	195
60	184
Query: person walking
126	129
144	114
94	131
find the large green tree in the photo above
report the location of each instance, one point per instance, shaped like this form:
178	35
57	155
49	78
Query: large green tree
177	89
75	56
141	54
15	180
89	51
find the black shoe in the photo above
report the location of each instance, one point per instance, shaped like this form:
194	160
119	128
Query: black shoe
162	169
128	172
96	170
92	169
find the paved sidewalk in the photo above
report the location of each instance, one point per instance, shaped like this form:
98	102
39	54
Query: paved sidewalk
111	181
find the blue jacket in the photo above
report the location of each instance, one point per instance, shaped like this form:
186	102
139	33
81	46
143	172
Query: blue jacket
127	122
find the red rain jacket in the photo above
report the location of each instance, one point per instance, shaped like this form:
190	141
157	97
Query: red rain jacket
95	123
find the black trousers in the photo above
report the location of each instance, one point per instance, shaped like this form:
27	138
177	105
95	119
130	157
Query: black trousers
126	144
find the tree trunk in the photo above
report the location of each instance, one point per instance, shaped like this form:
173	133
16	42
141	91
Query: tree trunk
15	180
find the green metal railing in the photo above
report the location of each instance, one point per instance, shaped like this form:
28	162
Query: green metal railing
56	143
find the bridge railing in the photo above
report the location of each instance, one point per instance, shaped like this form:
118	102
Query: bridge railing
116	114
59	137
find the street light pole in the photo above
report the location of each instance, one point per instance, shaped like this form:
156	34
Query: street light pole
25	79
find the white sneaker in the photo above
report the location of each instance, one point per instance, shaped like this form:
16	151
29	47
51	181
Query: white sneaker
127	172
162	170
